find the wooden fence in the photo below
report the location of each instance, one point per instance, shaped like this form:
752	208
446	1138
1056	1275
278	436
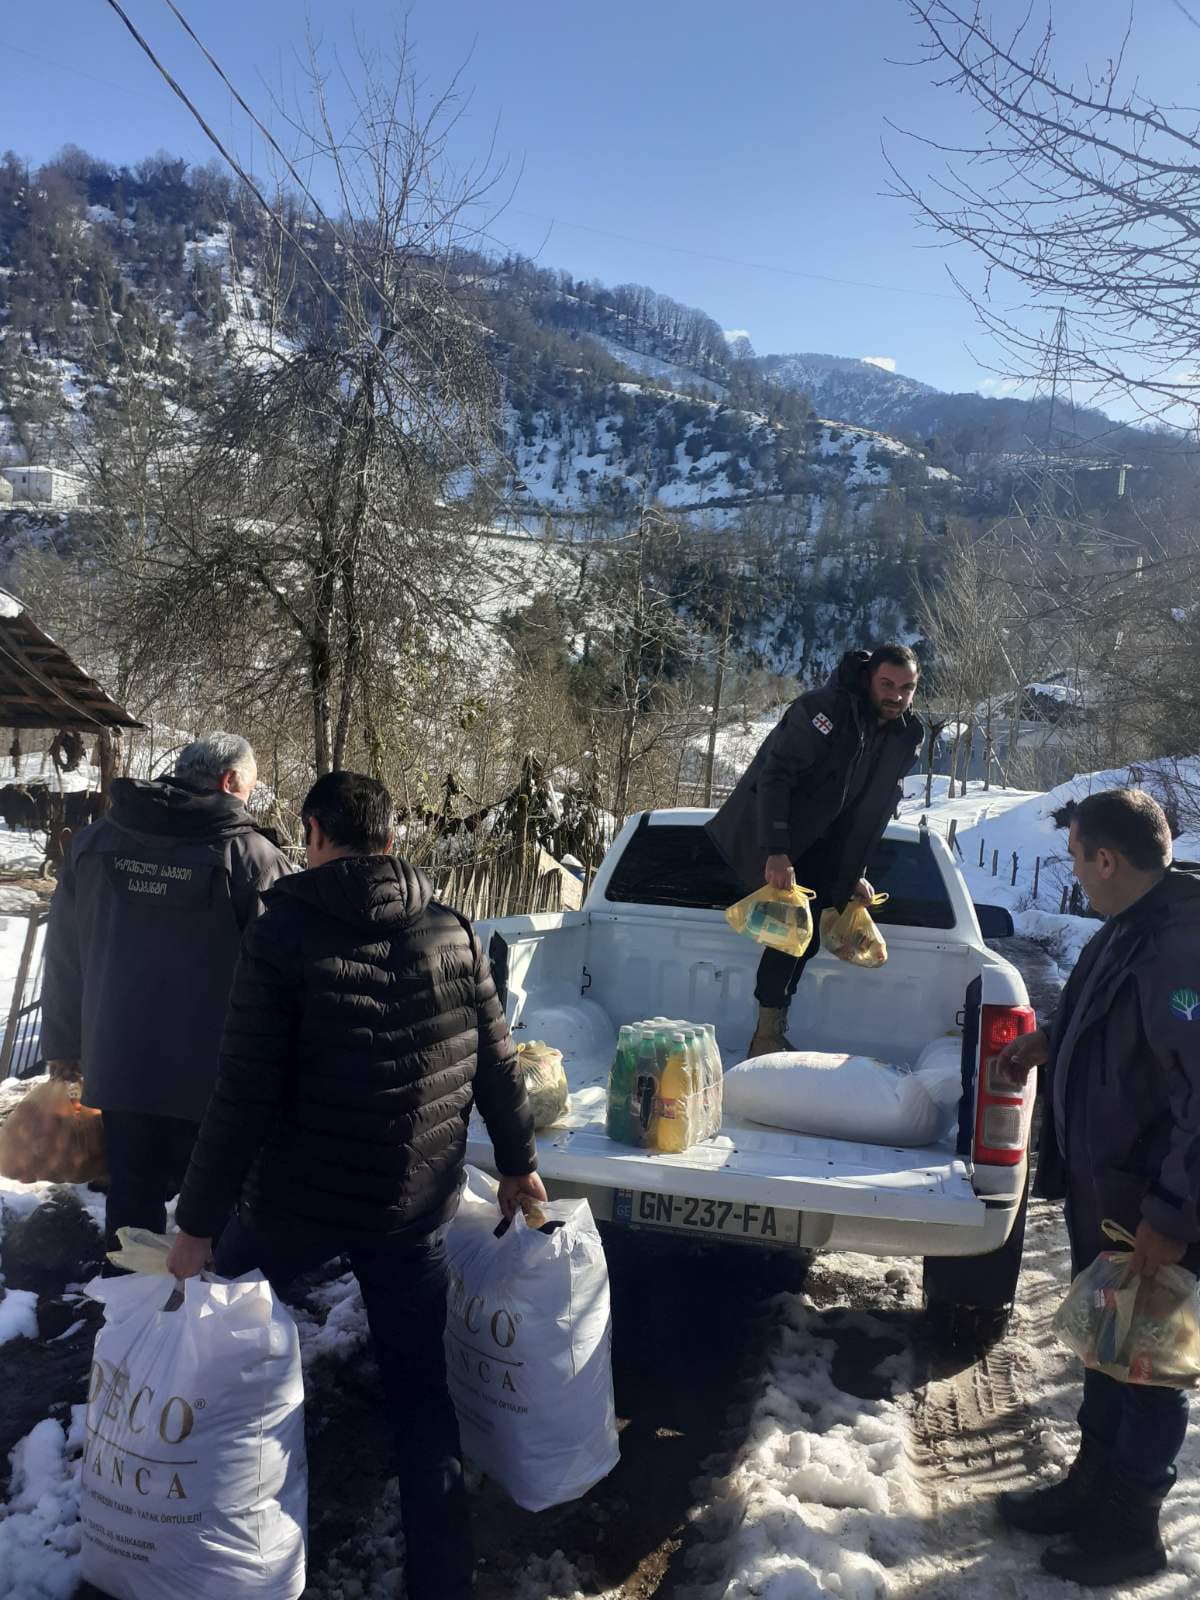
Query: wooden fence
503	886
1070	898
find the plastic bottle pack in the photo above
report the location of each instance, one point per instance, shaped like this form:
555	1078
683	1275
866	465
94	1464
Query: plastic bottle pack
665	1085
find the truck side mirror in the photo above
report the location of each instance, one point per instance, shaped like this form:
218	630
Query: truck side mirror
995	922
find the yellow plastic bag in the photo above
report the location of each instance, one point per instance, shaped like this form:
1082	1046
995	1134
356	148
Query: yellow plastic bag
545	1081
142	1251
1135	1329
51	1138
779	918
851	935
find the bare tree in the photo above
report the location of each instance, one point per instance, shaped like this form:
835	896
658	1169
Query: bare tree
963	620
1083	190
311	524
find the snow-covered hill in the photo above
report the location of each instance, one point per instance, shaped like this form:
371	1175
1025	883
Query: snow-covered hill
850	390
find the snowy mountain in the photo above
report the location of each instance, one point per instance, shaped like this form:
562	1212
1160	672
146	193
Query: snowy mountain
858	391
870	395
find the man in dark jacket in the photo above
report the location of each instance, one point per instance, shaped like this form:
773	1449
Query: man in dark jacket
814	802
1121	1141
144	932
363	1025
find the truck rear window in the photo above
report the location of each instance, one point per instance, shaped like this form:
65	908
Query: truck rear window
676	864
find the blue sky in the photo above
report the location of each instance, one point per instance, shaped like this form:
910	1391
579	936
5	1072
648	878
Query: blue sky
727	155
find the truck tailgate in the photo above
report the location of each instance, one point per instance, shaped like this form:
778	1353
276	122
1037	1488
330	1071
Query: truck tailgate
763	1166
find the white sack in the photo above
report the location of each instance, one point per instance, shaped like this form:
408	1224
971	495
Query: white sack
845	1097
194	1482
528	1339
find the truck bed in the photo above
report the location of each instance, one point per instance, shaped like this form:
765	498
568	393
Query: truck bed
745	1162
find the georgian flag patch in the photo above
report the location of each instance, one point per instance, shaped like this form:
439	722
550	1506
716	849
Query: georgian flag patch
822	723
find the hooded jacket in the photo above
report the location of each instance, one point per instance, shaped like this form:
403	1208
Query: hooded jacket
1121	1135
144	932
794	791
363	1026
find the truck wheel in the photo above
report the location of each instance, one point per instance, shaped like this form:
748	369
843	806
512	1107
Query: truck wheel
968	1299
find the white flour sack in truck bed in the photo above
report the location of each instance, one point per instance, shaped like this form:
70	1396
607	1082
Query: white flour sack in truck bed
194	1481
528	1336
848	1097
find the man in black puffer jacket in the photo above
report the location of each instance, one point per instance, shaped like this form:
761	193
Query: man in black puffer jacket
813	804
363	1025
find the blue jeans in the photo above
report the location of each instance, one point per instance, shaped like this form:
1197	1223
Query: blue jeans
1140	1425
403	1286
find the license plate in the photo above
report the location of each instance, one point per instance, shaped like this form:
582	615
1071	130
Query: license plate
727	1219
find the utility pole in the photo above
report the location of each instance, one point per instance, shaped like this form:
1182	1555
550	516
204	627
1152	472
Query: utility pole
714	720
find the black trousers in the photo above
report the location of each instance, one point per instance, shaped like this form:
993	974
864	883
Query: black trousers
404	1286
779	973
147	1159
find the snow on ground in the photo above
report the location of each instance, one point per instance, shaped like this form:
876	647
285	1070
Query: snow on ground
20	1200
666	372
1015	821
736	746
891	1498
883	1496
835	441
39	1524
18	1315
253	340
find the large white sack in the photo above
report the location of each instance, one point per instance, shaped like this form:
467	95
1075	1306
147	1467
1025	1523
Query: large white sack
194	1480
846	1097
528	1348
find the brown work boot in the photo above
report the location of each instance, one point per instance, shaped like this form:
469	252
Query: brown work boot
768	1032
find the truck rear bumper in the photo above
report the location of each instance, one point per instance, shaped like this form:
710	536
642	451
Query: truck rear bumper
869	1236
922	1211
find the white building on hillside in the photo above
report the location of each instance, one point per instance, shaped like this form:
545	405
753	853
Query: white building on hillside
50	486
6	492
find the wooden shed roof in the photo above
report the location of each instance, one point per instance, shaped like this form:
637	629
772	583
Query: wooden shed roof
41	687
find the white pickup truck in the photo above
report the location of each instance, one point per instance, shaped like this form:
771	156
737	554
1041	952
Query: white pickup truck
652	940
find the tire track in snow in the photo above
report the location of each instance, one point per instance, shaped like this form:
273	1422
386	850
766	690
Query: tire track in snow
976	1425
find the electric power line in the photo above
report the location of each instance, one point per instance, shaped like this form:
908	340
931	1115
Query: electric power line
233	163
732	261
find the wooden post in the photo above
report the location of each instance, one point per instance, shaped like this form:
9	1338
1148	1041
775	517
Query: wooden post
982	844
995	862
710	755
18	995
1014	870
953	834
1037	877
107	763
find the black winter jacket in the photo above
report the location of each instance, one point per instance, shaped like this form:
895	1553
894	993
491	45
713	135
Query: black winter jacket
1121	1135
794	791
145	929
363	1025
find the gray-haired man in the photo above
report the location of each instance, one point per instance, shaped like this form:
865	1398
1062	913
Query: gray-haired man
145	930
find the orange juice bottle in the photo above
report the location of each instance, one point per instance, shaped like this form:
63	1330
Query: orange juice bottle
674	1088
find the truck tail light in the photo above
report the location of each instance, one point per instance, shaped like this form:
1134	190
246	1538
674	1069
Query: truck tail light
1001	1111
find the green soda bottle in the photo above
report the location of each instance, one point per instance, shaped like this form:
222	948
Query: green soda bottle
650	1059
620	1086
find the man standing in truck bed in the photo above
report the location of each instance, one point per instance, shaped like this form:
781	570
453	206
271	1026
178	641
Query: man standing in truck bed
814	802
